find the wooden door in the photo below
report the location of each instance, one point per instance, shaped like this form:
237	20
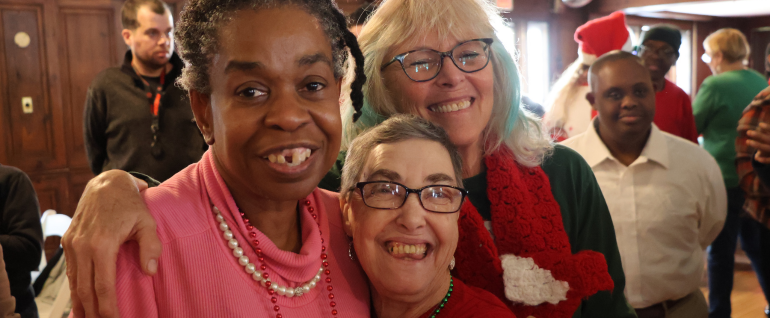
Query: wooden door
50	51
32	133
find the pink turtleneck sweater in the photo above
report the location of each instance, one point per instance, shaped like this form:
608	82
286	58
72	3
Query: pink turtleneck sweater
198	276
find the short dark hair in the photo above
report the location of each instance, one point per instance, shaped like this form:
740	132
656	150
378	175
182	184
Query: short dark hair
130	8
198	37
665	33
611	56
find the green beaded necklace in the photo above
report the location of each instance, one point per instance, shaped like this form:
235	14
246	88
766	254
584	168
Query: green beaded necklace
445	300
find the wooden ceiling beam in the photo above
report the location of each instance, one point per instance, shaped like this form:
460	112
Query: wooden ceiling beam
674	16
607	6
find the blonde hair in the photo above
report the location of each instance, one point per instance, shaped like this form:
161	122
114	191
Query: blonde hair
397	22
562	92
731	42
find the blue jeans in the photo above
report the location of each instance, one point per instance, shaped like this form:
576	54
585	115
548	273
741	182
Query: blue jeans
755	240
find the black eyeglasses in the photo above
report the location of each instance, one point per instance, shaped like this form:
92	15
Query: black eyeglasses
666	52
389	195
423	65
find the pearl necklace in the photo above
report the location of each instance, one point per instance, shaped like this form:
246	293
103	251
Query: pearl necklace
262	277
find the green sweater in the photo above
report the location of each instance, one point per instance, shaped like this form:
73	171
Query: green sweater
584	212
718	106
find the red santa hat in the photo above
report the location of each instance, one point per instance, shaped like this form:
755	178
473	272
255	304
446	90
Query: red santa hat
603	35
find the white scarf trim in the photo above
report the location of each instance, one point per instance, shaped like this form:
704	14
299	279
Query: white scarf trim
529	284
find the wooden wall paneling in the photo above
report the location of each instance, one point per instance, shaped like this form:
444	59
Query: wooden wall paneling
5	142
637	20
32	139
758	29
759	39
607	6
78	179
564	49
52	191
86	42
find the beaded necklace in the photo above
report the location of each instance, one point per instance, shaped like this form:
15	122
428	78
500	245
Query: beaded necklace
262	277
445	300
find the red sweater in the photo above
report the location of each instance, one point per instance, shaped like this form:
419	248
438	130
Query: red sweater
468	301
673	112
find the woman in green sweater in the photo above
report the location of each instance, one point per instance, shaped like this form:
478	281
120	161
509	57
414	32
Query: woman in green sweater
536	231
718	107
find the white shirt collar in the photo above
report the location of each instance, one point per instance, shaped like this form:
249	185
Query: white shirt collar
654	150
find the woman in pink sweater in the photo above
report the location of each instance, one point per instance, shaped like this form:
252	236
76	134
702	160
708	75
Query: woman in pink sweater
245	231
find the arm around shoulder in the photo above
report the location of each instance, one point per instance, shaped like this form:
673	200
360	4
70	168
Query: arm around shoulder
110	212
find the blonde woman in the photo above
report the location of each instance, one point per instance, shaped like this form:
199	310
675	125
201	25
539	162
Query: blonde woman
536	231
532	205
718	107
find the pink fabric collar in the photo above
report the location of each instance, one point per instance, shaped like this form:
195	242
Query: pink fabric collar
293	267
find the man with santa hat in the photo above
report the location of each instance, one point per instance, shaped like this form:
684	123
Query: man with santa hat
570	113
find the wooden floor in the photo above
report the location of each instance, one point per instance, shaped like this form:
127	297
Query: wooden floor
747	298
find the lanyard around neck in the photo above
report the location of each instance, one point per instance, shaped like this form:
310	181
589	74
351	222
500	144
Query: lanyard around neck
155	104
155	146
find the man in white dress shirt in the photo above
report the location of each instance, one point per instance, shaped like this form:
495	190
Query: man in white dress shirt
665	194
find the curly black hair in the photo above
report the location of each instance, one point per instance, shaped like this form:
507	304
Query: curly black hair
197	32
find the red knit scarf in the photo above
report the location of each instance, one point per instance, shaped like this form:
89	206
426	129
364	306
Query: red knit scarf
526	222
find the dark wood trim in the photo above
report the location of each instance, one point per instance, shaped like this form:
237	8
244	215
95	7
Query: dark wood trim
639	20
607	6
673	16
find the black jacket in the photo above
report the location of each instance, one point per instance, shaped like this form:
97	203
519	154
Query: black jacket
118	117
21	235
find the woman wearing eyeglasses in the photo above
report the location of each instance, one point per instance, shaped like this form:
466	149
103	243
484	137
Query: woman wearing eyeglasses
535	232
718	107
401	197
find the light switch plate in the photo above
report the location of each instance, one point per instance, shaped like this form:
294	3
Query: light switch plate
26	105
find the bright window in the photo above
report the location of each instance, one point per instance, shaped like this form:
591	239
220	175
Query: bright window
684	63
528	40
537	54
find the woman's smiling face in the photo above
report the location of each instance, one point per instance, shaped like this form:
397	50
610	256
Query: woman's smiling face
273	112
435	99
405	252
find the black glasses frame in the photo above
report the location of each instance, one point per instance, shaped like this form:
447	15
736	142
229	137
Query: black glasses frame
409	191
442	55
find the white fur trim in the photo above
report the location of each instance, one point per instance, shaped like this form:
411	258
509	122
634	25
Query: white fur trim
529	284
629	45
586	58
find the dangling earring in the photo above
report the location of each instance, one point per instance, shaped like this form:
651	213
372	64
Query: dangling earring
452	264
351	251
